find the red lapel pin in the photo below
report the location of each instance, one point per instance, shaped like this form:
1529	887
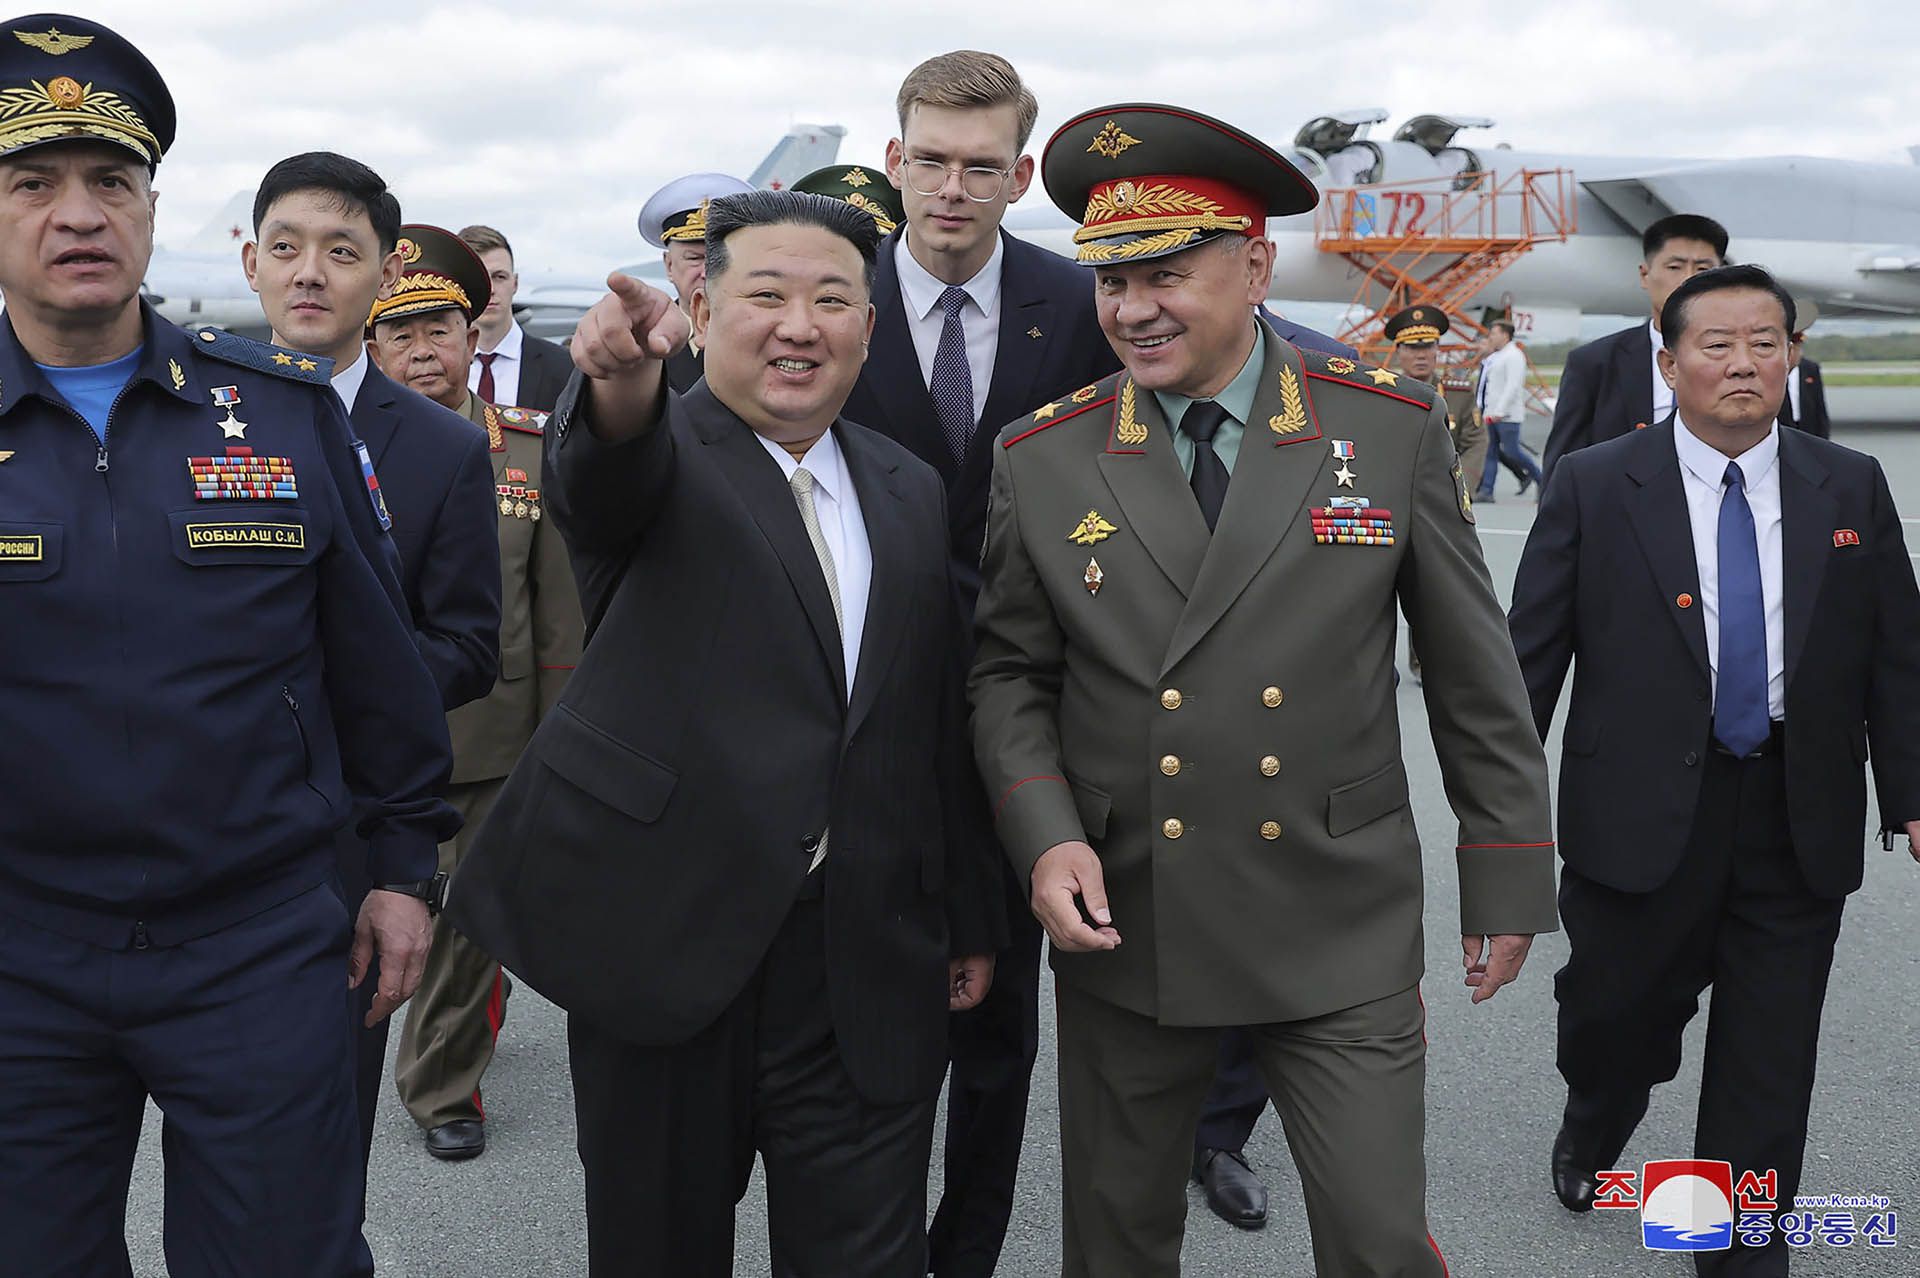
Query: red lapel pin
1684	600
1845	537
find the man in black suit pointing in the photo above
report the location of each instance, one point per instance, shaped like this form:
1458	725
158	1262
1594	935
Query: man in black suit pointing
743	852
1740	612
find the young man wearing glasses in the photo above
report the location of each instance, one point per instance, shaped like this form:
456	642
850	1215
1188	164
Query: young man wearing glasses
974	328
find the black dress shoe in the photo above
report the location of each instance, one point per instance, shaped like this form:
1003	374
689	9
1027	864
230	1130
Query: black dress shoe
1526	482
1233	1192
462	1138
1574	1169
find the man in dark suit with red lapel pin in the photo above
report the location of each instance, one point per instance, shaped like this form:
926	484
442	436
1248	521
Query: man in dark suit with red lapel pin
1740	612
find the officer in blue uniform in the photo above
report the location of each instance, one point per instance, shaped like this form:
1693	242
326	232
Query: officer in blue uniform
205	670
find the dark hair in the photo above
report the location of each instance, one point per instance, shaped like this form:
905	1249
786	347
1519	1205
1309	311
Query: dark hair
357	187
1673	316
732	213
1683	226
1505	324
481	238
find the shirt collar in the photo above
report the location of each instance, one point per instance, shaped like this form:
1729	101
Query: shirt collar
922	289
1237	398
1709	465
823	461
509	347
347	382
166	360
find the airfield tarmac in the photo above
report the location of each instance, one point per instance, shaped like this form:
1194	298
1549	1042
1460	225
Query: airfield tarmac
1493	1098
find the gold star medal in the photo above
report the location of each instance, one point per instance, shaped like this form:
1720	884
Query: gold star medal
1343	453
228	397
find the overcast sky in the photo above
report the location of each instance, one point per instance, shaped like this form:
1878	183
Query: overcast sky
555	120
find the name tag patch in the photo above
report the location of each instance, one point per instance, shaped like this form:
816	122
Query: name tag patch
21	549
267	536
240	476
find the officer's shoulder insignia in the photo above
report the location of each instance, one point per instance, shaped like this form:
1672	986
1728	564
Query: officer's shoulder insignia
528	420
231	348
1052	413
1460	492
1342	371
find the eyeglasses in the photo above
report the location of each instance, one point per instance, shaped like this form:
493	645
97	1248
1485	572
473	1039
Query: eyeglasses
978	182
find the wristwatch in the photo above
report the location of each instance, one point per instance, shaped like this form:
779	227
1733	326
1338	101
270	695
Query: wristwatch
433	891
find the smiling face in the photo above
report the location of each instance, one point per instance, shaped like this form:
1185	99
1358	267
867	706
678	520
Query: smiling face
784	328
1728	368
76	234
317	268
430	353
1184	323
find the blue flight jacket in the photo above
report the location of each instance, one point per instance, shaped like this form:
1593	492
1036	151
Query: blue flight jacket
206	664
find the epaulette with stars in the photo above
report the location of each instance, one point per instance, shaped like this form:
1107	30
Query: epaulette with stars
1342	371
1065	409
261	357
527	420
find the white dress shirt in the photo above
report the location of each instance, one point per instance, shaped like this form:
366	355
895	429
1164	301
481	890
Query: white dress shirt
979	320
1703	471
347	381
1503	385
1793	390
506	369
1662	393
845	531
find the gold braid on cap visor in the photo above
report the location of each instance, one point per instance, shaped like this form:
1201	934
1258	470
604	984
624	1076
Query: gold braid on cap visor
694	228
420	291
65	108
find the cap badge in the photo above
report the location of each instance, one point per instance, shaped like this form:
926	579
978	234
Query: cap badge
53	40
1091	530
66	91
409	251
1112	141
856	178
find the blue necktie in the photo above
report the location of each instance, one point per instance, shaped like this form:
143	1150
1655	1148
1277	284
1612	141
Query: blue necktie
1740	717
952	382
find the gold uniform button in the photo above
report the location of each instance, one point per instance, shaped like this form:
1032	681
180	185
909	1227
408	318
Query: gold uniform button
1271	698
1172	828
1270	766
1270	830
1170	698
1170	764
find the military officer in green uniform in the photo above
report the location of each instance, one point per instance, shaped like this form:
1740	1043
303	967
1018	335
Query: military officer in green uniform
424	337
1183	705
866	189
674	220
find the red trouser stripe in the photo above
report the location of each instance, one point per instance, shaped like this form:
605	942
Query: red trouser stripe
496	1016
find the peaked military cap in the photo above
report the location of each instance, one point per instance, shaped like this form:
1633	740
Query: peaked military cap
864	188
1417	326
678	211
1145	180
1805	312
438	272
64	78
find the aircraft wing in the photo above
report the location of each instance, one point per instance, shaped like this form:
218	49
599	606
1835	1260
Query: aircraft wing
805	148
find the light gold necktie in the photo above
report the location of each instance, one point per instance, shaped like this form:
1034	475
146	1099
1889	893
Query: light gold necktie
802	484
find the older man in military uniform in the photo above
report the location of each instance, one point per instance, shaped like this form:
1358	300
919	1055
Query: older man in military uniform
674	220
1183	706
424	336
209	669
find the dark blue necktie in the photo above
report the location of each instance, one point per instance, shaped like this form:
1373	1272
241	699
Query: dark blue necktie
1740	717
952	382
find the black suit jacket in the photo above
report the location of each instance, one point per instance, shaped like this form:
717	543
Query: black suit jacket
1606	390
438	482
1304	337
655	835
1040	292
1608	583
544	369
1812	417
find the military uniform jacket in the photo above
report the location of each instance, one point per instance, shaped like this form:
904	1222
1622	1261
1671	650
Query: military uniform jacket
540	626
209	666
1216	715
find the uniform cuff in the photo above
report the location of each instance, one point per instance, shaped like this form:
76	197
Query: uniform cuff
1035	814
401	858
1507	889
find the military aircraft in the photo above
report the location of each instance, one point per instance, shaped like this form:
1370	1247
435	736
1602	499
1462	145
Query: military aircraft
1845	233
203	284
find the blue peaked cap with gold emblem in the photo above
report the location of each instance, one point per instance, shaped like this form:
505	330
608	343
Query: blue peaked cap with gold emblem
65	79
